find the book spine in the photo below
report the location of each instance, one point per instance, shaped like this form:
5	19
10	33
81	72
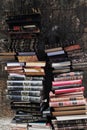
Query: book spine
67	103
25	93
26	53
35	64
77	73
68	78
69	90
65	63
73	112
72	47
65	87
15	64
51	94
25	88
24	83
24	98
61	83
53	49
71	122
80	107
55	53
14	77
55	99
81	127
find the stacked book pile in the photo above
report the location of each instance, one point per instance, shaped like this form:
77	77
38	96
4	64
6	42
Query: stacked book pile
66	99
25	88
77	56
7	56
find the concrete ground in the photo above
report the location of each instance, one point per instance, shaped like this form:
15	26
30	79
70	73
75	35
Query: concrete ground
5	123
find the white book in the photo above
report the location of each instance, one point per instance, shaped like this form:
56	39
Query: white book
72	117
61	64
15	64
24	81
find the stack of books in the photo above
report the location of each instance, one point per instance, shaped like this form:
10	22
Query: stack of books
7	56
66	98
25	88
77	56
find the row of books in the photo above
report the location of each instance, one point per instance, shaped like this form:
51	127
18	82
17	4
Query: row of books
66	98
23	31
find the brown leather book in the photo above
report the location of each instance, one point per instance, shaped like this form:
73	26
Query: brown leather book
73	112
72	47
80	107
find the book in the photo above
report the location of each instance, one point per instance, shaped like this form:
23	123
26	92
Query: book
59	71
72	73
67	103
55	53
35	73
24	93
35	64
68	78
61	64
12	68
70	82
15	64
24	83
25	88
26	104
81	93
24	98
71	122
7	53
7	57
26	53
14	126
81	127
34	70
56	99
27	58
66	108
14	76
60	58
65	87
69	90
71	117
72	47
71	112
53	49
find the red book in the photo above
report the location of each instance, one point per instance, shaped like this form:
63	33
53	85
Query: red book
69	82
70	90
